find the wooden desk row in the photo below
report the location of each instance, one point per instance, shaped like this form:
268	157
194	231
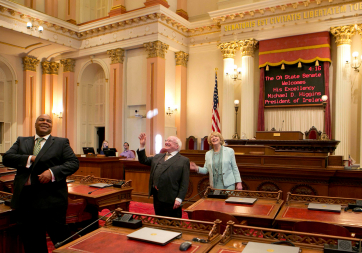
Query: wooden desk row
309	175
114	239
269	211
110	198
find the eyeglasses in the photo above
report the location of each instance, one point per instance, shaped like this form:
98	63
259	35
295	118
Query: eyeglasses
199	240
169	141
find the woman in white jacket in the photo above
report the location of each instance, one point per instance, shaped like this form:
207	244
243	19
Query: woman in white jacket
221	165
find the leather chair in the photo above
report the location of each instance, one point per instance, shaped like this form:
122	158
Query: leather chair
191	143
313	134
316	227
134	152
205	144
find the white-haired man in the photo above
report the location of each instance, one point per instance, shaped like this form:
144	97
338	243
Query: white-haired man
169	177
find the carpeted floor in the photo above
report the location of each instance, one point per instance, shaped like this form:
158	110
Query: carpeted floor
135	207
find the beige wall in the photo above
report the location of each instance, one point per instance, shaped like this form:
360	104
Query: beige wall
200	88
135	80
198	9
134	4
356	102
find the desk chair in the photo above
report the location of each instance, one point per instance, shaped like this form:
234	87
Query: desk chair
313	134
191	143
134	152
207	215
316	227
205	144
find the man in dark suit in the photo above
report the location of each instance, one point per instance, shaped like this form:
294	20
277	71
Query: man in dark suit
169	178
40	198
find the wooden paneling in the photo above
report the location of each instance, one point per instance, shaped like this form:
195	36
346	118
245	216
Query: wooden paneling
104	167
300	174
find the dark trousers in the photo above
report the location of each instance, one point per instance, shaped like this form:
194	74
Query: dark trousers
163	208
34	223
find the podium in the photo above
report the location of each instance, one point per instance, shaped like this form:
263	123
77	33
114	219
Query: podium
281	135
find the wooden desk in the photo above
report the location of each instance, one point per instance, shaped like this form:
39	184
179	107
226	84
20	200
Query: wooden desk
279	135
236	237
305	147
296	209
262	213
7	182
110	197
6	171
103	167
114	239
9	237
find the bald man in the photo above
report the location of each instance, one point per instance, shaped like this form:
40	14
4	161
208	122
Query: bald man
169	177
40	198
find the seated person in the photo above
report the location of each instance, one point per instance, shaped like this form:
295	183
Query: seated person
104	145
127	153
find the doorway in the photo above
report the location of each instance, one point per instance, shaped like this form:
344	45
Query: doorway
100	138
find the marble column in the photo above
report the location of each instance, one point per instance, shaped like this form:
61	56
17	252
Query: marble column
182	9
116	99
49	83
51	7
70	11
30	4
156	72
181	95
29	95
69	102
228	49
248	114
342	120
149	3
118	7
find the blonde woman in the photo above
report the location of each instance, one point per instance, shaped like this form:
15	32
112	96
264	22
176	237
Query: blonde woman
104	145
221	165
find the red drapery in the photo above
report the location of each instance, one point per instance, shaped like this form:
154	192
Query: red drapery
261	125
327	116
305	48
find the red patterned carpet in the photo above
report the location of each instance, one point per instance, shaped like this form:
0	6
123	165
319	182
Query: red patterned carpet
136	207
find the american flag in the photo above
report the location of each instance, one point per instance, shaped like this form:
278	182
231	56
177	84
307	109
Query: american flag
215	121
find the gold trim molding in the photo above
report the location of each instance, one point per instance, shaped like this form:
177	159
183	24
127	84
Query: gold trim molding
181	58
50	68
116	55
343	34
156	49
228	49
247	47
68	65
30	63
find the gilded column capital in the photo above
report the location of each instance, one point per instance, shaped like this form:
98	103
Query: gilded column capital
343	34
30	63
359	28
247	47
50	67
68	65
117	55
156	49
228	49
181	58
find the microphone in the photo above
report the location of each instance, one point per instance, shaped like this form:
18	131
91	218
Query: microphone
183	203
59	244
282	125
94	190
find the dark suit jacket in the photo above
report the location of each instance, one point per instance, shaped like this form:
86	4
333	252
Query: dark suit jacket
174	179
56	155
